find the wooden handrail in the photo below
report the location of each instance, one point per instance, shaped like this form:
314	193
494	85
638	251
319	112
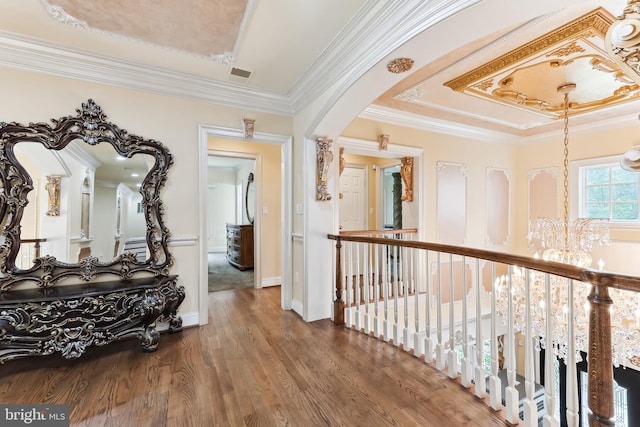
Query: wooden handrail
600	358
32	240
375	232
36	246
594	277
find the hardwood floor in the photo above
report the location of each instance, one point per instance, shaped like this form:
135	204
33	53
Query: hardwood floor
252	365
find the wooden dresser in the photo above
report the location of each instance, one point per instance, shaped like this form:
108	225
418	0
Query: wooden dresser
240	245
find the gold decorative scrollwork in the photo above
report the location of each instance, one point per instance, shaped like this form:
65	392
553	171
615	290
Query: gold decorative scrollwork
406	171
623	41
400	65
324	157
53	191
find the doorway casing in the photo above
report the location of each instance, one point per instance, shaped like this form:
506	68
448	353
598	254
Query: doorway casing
205	132
257	224
371	149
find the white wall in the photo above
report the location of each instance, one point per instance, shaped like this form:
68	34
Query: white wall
38	97
103	221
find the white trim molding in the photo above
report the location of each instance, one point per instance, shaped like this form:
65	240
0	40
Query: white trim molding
271	281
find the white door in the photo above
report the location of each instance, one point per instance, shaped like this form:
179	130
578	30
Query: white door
353	204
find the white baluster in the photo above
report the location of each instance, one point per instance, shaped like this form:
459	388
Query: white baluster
530	408
465	368
452	357
348	251
386	325
495	387
429	345
396	295
376	292
573	408
406	280
511	396
480	379
367	283
549	419
418	336
357	283
440	358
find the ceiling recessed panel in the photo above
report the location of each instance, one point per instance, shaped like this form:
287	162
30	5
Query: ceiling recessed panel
528	77
507	82
207	28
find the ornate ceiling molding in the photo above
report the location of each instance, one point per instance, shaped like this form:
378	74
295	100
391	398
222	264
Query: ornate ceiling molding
599	20
527	76
59	14
377	29
32	54
623	40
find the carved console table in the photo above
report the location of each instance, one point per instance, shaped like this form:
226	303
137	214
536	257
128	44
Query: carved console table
69	319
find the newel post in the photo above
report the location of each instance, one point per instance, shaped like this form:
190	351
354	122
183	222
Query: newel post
600	361
338	304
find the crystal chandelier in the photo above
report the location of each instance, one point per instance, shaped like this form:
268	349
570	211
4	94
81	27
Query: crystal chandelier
568	242
562	240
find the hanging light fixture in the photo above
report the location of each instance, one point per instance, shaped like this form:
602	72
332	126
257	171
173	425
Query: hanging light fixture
562	240
568	242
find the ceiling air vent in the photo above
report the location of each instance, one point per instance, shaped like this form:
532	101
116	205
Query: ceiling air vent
240	73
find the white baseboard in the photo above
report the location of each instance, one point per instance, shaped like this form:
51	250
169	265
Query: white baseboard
271	281
217	249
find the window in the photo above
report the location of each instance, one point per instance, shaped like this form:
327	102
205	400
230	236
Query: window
620	403
608	191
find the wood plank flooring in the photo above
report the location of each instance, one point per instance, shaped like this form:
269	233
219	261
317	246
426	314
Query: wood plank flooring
252	365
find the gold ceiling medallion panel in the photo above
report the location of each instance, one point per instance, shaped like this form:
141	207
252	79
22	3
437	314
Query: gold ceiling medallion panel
623	40
527	76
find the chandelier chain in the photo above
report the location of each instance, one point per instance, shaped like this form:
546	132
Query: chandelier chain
566	171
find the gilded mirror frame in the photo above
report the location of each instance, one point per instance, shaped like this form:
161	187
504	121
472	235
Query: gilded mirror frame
91	126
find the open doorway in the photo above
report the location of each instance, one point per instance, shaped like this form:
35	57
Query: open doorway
386	207
230	222
391	200
273	206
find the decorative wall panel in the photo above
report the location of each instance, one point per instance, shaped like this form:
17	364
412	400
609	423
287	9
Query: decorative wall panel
543	197
498	201
452	203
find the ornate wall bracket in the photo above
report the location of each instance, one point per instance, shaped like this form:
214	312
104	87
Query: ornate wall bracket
324	157
406	171
383	142
53	191
248	125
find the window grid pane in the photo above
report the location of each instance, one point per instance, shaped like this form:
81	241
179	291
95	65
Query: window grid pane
610	192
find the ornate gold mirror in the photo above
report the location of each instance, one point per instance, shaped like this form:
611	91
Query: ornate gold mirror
88	192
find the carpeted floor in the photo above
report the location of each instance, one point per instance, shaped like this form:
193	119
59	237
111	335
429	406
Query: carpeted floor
223	276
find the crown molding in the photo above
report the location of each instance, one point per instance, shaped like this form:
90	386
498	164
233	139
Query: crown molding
377	29
402	118
83	156
59	14
33	54
372	148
